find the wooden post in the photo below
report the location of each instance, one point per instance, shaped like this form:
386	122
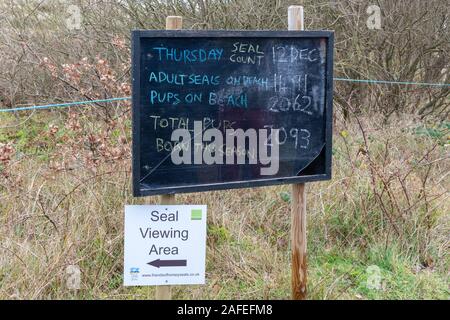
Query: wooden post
164	292
296	21
174	23
298	209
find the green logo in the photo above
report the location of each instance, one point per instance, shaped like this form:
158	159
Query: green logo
196	214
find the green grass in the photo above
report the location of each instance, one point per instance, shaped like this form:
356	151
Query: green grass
346	275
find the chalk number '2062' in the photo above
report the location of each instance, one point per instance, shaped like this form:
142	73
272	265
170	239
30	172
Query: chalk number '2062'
300	103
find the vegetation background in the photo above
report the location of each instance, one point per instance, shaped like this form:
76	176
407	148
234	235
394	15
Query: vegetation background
65	173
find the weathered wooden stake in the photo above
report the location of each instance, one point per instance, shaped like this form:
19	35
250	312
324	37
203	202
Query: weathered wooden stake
164	292
174	23
298	209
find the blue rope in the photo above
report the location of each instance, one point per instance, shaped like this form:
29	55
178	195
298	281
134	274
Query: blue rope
76	103
394	82
63	105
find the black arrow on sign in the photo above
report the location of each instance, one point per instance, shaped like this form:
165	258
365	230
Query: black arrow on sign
168	263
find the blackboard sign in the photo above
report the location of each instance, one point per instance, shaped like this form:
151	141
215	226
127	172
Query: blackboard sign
230	109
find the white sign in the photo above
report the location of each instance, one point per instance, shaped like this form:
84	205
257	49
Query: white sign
164	245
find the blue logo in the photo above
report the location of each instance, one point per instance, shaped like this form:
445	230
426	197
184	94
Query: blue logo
134	270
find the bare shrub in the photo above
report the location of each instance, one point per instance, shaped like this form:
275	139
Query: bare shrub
412	45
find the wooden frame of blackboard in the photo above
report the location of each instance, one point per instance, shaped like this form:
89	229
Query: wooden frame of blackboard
137	35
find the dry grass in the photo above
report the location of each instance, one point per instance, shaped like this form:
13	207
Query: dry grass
63	194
